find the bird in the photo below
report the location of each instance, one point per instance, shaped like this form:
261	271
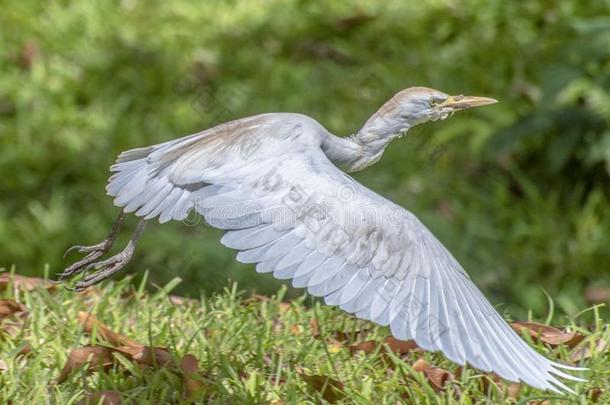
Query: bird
279	185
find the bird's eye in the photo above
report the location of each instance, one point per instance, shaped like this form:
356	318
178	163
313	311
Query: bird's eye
433	102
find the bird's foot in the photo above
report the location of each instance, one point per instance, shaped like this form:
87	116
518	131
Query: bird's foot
104	268
103	247
94	252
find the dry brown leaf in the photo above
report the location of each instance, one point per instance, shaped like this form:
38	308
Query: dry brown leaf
436	376
589	348
147	356
3	366
96	357
399	347
513	390
315	329
12	317
11	329
296	329
101	398
330	389
24	352
597	295
548	334
9	308
191	373
102	357
90	323
23	283
154	356
284	307
594	393
366	347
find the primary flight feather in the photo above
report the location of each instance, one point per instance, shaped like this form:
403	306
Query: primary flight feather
278	184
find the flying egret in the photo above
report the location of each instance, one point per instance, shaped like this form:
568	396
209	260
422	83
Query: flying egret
277	184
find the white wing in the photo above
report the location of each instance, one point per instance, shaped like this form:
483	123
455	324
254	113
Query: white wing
290	210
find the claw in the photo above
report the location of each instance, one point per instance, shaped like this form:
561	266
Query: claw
71	249
104	246
103	268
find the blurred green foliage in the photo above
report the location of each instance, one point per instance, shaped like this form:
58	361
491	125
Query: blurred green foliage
518	191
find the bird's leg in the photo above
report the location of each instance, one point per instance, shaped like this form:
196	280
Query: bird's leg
106	268
93	252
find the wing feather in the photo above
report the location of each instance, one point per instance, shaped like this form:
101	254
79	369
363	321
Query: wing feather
282	207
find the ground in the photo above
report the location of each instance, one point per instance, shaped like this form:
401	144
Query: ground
237	348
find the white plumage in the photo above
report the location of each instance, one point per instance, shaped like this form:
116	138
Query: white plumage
275	183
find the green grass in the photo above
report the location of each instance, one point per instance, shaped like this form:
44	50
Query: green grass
519	192
249	351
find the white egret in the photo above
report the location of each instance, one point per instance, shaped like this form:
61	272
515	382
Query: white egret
278	184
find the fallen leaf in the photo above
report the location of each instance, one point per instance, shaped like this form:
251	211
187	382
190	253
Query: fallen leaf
96	357
399	347
190	371
154	356
23	283
284	307
10	308
296	329
24	352
513	390
3	366
12	317
366	347
90	323
436	376
594	393
589	349
315	330
597	295
548	334
329	388
11	329
147	356
101	398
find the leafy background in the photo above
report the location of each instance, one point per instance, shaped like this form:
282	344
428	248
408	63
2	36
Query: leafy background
519	192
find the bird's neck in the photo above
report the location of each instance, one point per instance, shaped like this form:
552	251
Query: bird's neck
364	148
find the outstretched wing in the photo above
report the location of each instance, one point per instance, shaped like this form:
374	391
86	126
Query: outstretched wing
288	209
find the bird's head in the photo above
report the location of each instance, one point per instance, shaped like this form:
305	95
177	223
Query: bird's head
417	105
